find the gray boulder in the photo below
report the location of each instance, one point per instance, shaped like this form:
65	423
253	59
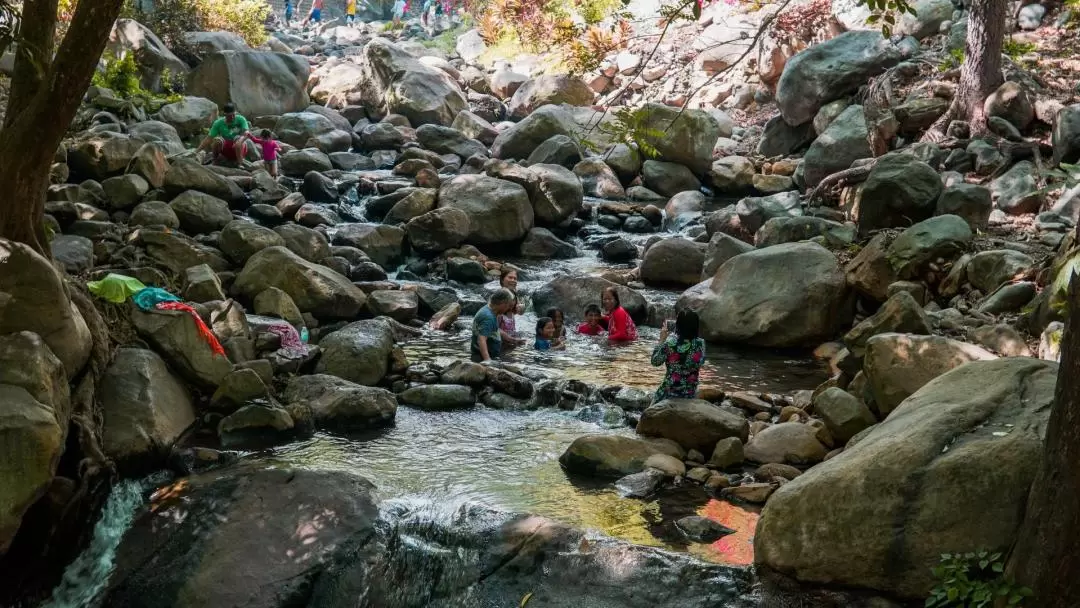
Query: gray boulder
438	230
899	191
674	261
842	143
520	140
1016	191
572	294
151	55
258	82
338	404
498	211
201	213
612	456
688	135
438	397
721	248
988	270
315	288
541	244
191	116
968	201
668	178
359	352
692	423
549	89
944	236
787	442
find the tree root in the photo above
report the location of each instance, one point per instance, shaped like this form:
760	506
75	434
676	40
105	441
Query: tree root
847	176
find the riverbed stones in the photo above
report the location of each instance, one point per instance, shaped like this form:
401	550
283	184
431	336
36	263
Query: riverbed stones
572	294
941	237
899	314
755	298
869	272
145	409
897	365
611	456
899	191
359	352
844	415
728	452
692	423
498	211
438	230
834	68
842	143
438	397
871	517
987	270
787	442
338	404
702	529
674	261
314	288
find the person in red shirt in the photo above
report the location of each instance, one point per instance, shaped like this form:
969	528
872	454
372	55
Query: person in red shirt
620	326
594	322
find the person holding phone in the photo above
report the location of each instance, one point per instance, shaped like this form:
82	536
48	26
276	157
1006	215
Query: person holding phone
682	354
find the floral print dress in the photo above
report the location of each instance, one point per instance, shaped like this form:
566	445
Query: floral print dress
681	380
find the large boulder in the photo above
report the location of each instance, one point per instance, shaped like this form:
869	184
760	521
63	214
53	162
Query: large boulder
834	69
988	270
790	229
612	455
899	314
338	404
33	298
944	236
191	116
145	409
101	154
298	128
721	248
927	20
200	213
383	244
241	239
499	211
694	424
668	179
947	472
259	83
520	140
842	143
438	230
572	294
176	251
315	288
688	135
151	55
176	337
971	202
542	244
899	191
787	442
897	365
391	79
447	140
358	352
556	195
782	296
549	89
1065	137
869	272
187	175
674	261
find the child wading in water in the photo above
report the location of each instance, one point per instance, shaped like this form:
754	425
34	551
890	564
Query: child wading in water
270	148
620	326
682	354
593	325
556	317
545	335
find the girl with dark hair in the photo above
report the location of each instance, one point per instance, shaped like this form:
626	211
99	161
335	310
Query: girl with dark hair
683	355
507	326
545	335
557	318
620	326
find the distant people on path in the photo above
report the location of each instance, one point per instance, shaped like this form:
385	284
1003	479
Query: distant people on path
288	12
350	12
228	136
315	14
594	322
486	341
399	12
620	326
507	326
682	354
270	149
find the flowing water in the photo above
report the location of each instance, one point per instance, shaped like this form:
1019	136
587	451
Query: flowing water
508	460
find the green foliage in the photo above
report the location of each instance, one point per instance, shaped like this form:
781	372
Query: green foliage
886	13
954	59
631	126
445	42
1015	50
171	18
974	580
120	75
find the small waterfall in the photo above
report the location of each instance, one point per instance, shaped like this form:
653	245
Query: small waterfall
87	576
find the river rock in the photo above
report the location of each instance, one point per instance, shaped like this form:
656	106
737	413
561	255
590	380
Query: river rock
894	373
124	191
191	116
176	337
669	178
558	194
549	89
692	423
844	415
178	252
674	261
33	442
438	230
1012	102
475	127
338	404
1016	191
573	294
780	230
498	211
35	299
391	77
900	314
756	299
1008	298
640	485
899	191
1065	138
834	69
612	455
75	253
702	529
242	239
154	213
315	288
843	143
102	154
560	150
721	248
447	140
437	397
870	272
968	201
383	244
200	213
187	175
988	270
540	243
728	452
359	352
944	236
1002	339
790	442
864	518
688	135
145	409
259	83
927	20
520	140
781	139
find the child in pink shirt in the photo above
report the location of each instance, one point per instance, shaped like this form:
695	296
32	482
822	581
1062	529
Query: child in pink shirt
270	149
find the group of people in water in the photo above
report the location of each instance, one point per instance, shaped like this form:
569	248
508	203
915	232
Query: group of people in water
680	350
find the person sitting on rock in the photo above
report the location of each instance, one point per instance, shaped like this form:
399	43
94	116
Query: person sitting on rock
682	354
228	136
486	342
594	322
620	326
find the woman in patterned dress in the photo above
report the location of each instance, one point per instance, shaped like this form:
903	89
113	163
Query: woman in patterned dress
683	354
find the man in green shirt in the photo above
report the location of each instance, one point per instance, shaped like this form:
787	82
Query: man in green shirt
228	136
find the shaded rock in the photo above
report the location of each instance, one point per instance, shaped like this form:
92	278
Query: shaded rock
669	178
175	336
359	352
549	89
75	253
259	83
572	294
968	201
673	261
692	423
944	236
844	415
640	485
242	239
520	140
438	230
399	305
900	314
314	288
33	442
899	191
437	397
843	143
339	404
728	452
987	270
540	243
1016	191
611	455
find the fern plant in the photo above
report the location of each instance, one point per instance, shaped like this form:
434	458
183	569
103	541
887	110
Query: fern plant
631	126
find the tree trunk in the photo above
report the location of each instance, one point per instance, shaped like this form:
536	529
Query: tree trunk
45	94
1045	557
980	74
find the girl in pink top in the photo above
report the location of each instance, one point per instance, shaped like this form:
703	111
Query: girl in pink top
270	148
